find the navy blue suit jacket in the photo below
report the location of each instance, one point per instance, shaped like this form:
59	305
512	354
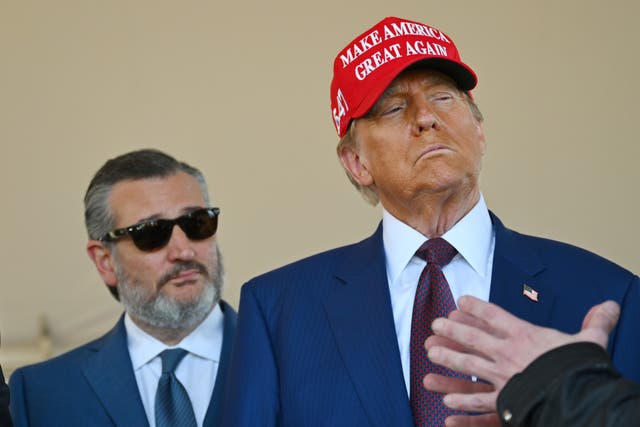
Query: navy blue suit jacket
316	342
94	385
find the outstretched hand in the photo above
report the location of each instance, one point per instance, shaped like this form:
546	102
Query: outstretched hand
483	340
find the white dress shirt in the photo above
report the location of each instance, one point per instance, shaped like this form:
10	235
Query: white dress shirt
469	273
197	371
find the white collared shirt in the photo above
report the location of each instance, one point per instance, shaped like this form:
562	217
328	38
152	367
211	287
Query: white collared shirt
197	371
469	273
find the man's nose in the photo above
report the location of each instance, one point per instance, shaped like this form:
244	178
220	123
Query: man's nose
180	247
424	117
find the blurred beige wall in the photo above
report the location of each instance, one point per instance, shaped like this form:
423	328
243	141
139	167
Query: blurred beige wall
241	91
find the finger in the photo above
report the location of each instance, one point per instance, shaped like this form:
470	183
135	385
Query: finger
497	318
483	420
471	402
466	363
438	341
467	319
444	384
602	316
599	322
470	320
473	339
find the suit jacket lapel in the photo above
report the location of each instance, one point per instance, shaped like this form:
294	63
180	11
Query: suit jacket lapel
359	312
110	374
514	266
214	412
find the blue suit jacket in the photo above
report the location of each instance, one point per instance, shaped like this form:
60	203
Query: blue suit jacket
316	342
94	385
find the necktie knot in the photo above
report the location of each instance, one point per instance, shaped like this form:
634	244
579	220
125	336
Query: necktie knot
171	358
437	251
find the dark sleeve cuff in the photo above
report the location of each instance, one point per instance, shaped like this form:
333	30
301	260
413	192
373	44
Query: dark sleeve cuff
526	390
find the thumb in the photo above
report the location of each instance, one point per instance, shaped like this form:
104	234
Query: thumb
599	322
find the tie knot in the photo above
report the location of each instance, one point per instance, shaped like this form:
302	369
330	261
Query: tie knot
437	251
171	359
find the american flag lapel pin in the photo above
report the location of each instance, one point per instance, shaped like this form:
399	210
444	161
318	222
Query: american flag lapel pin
530	293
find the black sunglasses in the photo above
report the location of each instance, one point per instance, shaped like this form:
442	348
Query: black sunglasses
155	234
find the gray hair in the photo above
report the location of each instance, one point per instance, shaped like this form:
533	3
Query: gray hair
350	141
140	164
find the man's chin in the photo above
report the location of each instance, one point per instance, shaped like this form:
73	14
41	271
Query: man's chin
189	298
173	313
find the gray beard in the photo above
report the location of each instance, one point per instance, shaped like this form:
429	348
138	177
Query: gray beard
160	311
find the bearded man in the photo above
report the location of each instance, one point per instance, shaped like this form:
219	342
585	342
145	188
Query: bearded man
152	239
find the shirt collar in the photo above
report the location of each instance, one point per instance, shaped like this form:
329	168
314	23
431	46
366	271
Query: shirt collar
471	236
204	341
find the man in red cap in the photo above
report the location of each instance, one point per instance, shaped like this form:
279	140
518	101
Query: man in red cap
337	339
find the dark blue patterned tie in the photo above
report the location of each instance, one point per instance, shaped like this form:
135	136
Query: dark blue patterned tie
433	299
173	407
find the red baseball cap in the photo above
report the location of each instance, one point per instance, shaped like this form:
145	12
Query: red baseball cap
363	70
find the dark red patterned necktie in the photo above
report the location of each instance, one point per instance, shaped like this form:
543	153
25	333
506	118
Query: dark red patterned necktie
433	299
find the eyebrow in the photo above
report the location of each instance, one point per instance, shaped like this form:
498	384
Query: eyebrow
186	210
390	91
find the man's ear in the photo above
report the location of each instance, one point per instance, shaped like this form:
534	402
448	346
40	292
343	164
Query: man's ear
355	165
103	259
